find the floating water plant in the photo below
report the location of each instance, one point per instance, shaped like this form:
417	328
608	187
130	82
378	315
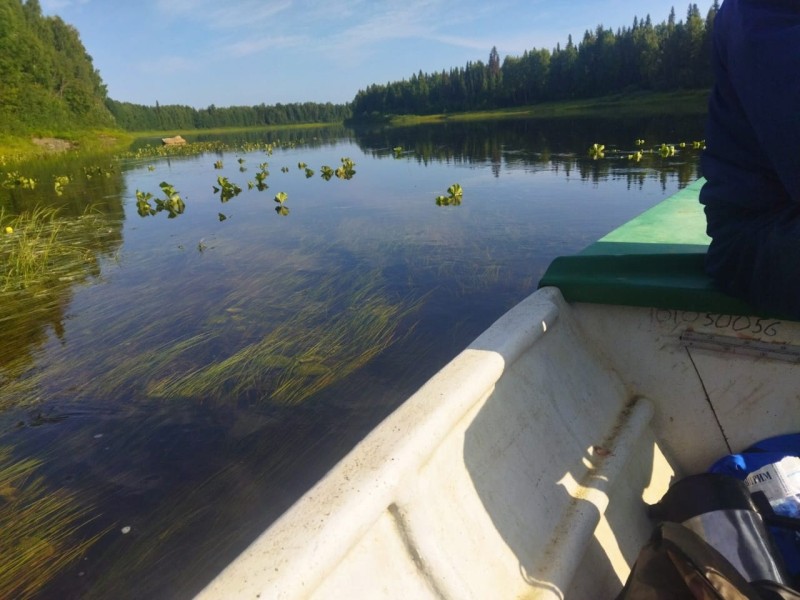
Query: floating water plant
260	177
143	206
346	171
666	150
326	172
636	156
218	164
453	198
309	173
301	165
281	197
59	182
15	180
173	204
226	189
398	151
597	151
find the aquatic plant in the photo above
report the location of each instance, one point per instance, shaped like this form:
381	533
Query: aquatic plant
15	180
666	150
301	165
597	151
173	204
143	206
226	189
326	172
37	249
309	173
39	528
281	197
218	164
454	195
320	343
398	151
346	171
59	182
636	156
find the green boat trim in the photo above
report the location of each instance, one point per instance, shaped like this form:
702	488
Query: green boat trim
655	260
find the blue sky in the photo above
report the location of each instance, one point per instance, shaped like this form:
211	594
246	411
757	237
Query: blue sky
245	52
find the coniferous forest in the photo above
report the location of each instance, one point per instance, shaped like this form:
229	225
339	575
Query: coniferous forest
667	56
48	81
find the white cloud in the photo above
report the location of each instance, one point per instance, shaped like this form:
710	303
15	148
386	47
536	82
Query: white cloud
228	15
254	45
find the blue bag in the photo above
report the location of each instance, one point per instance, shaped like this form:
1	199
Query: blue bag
765	452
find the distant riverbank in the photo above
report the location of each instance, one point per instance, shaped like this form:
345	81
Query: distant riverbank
632	104
637	104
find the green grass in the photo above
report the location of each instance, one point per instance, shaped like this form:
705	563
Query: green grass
14	149
631	104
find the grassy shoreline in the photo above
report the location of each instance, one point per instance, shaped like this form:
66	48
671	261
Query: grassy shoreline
15	149
40	144
633	104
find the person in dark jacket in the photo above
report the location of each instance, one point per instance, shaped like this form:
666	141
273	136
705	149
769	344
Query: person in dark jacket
752	157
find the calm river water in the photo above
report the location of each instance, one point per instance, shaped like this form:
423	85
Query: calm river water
176	387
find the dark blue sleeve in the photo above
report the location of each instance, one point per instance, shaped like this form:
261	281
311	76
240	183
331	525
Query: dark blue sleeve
758	42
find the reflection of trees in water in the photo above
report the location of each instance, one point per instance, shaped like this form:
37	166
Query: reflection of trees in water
558	145
63	239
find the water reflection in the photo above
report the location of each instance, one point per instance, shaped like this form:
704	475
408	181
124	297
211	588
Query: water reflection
558	145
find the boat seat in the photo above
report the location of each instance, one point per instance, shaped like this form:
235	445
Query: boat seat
655	260
669	280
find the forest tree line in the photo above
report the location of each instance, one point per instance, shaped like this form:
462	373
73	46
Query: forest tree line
138	117
667	56
47	80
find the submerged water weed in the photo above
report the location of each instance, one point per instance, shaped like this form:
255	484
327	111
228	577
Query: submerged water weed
39	528
41	259
30	247
322	343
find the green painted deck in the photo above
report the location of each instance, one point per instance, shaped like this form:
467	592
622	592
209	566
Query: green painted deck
655	260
